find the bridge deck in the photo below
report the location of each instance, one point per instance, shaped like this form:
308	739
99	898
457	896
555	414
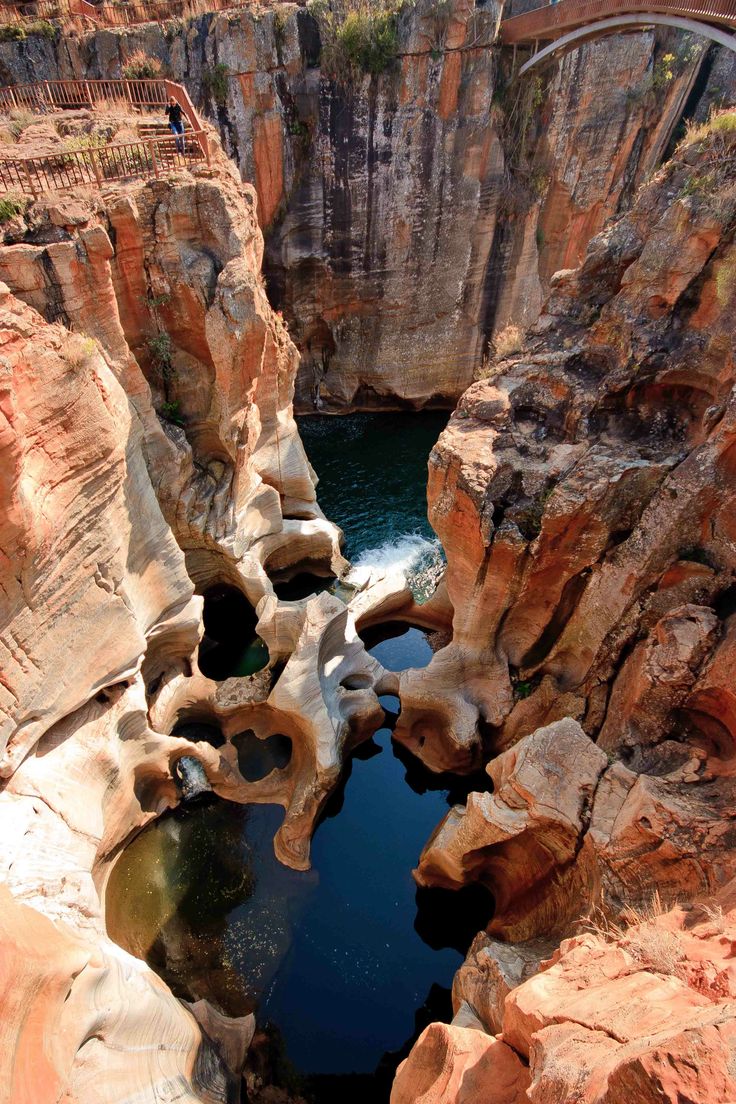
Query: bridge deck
550	22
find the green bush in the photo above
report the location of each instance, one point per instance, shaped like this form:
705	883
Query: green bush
16	32
369	41
523	689
171	412
215	82
41	27
161	350
724	123
358	38
12	32
10	207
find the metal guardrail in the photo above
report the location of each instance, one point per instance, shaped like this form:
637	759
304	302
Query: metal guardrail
70	168
75	168
66	94
554	20
114	13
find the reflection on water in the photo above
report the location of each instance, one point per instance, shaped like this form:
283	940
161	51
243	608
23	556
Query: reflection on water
342	961
201	897
347	963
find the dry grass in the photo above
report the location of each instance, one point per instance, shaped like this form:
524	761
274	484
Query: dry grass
654	948
142	66
508	341
719	127
487	369
78	351
19	120
715	914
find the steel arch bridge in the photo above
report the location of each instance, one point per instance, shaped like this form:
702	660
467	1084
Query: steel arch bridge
556	28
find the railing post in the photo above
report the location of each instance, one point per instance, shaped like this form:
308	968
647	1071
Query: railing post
128	93
48	93
95	167
152	151
87	93
29	179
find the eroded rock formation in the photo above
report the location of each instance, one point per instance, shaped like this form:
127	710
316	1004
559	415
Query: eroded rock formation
584	495
149	453
412	215
583	490
641	1012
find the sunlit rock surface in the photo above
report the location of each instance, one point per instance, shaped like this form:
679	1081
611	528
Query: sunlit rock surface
583	494
135	472
413	215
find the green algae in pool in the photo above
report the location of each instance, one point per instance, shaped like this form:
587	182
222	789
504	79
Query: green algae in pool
230	646
346	961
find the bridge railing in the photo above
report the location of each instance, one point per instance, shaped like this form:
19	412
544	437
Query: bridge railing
95	167
553	20
68	94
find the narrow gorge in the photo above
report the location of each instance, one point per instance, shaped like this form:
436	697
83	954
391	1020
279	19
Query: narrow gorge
367	553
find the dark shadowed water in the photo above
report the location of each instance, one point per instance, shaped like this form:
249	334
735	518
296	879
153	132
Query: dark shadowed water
345	963
372	470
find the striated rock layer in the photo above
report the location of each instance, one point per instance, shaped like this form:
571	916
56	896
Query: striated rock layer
412	216
585	495
148	451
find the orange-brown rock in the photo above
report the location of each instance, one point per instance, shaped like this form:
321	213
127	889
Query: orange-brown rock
649	1016
643	1011
459	1064
412	214
113	514
584	493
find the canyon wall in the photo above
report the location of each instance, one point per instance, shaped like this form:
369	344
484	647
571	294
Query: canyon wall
148	451
584	492
411	216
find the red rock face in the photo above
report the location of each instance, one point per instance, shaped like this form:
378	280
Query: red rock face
113	510
584	495
411	216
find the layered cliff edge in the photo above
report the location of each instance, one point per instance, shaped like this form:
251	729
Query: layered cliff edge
148	451
584	493
411	216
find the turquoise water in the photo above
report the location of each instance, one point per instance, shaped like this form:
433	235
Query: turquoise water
372	470
345	963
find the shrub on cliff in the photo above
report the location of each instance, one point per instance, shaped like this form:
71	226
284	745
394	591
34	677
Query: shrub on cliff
358	37
214	82
11	206
16	32
141	67
508	341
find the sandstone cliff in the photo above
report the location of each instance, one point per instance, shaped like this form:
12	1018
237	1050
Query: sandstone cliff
147	452
412	215
584	493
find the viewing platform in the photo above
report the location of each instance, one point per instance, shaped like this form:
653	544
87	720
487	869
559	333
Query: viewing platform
154	151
